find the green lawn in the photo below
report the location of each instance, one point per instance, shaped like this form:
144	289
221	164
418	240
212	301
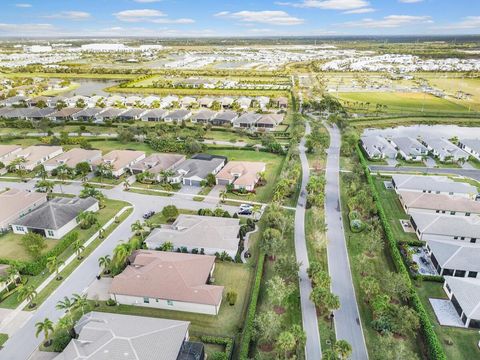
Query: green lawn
237	277
274	166
464	341
159	219
399	102
394	211
11	247
3	339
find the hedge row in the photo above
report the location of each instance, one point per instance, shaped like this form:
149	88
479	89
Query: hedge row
36	266
252	309
217	340
434	348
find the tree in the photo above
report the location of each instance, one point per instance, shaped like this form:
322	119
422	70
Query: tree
82	168
34	244
170	213
223	195
287	267
87	219
63	174
370	287
78	247
267	326
324	300
166	246
27	292
80	302
342	349
138	228
45	186
272	242
53	265
66	304
285	343
192	146
397	286
121	253
126	185
300	338
231	297
40	171
45	326
104	170
387	347
278	291
104	262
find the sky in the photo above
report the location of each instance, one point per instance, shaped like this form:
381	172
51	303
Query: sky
244	18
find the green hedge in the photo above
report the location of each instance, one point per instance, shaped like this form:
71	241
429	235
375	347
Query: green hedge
217	340
434	348
252	309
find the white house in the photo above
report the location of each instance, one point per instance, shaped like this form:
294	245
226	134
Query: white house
410	149
445	151
376	147
471	146
465	296
121	160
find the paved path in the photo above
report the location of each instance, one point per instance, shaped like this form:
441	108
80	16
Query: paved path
347	319
313	349
23	343
471	173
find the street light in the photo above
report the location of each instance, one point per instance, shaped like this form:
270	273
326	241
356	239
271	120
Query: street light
332	315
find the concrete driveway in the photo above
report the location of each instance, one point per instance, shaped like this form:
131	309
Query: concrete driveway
98	290
430	162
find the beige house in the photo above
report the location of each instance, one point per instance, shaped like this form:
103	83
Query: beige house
121	160
168	280
73	157
35	155
242	174
157	163
16	204
8	150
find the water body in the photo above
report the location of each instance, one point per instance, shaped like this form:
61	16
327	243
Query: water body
90	87
426	131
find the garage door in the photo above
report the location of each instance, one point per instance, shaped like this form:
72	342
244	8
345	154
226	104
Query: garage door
222	182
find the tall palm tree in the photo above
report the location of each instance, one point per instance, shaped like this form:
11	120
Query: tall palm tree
80	302
45	326
40	171
121	253
78	247
126	185
53	265
86	219
65	304
138	228
27	292
104	262
62	174
223	195
13	275
45	186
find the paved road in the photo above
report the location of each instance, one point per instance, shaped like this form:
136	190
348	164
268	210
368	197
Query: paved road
313	349
347	324
471	173
23	343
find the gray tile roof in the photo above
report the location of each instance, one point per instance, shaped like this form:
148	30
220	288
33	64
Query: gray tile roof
377	145
247	118
445	148
467	293
433	184
105	336
177	114
154	114
56	213
447	225
226	116
473	144
197	166
452	255
204	115
410	146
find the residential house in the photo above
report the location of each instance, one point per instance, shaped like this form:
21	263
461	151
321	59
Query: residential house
410	149
96	100
73	157
195	232
465	296
244	102
453	259
121	160
35	113
263	102
110	114
16	204
188	101
434	185
34	155
102	336
153	115
445	151
54	218
282	102
376	147
132	114
8	151
443	227
14	101
170	281
471	146
149	101
39	100
17	113
203	116
88	114
206	102
72	101
115	100
4	111
196	169
156	164
226	102
64	114
168	101
247	120
269	121
438	203
178	115
241	174
224	117
133	100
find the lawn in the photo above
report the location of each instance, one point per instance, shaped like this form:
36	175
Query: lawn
237	277
452	86
159	219
11	247
108	145
3	339
399	102
394	211
274	166
463	341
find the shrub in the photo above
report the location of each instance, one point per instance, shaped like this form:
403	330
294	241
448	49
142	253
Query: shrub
60	340
111	302
232	297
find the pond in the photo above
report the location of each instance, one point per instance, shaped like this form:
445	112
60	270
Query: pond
90	87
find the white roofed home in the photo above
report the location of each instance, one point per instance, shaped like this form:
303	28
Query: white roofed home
378	147
471	146
73	157
445	151
16	204
120	160
240	174
6	151
410	149
33	156
465	296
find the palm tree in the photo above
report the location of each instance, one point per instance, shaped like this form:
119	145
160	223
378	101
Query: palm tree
104	169
40	171
86	219
13	275
223	195
53	265
65	304
286	343
45	326
342	349
45	186
138	228
126	185
27	292
62	175
256	211
121	253
104	262
80	302
78	248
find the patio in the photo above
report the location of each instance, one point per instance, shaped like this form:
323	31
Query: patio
425	265
446	313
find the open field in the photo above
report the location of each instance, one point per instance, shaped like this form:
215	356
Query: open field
452	86
393	121
398	102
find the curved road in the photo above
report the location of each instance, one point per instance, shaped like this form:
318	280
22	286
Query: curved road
313	349
347	319
23	342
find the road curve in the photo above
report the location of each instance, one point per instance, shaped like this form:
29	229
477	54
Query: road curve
347	319
313	349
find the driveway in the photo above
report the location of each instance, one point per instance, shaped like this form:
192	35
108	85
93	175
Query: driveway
347	318
98	290
214	194
430	162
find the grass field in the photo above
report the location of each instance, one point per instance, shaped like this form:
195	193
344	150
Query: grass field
452	86
237	277
398	102
11	247
273	168
362	123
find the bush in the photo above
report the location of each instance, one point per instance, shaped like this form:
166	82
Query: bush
60	340
111	302
216	340
232	297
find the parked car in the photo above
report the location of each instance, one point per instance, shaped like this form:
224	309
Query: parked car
246	207
245	212
148	215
